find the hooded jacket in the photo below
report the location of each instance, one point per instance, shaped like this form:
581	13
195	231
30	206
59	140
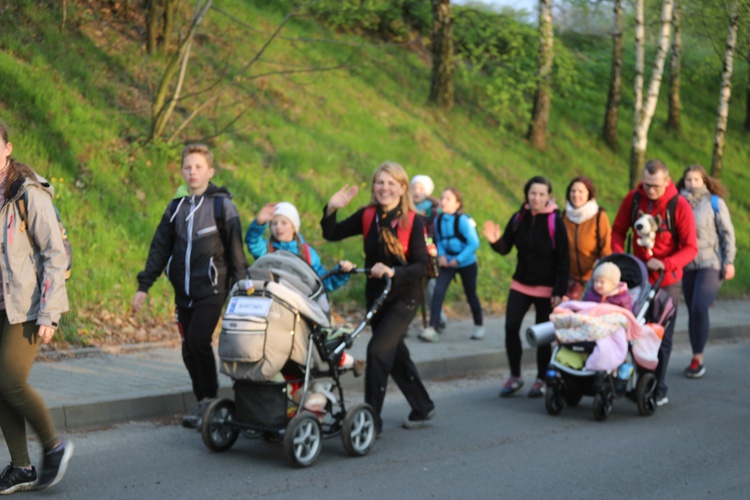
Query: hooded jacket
201	261
33	276
715	232
674	254
539	262
621	297
450	245
258	247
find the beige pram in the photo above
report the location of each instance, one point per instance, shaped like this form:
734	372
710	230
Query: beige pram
276	336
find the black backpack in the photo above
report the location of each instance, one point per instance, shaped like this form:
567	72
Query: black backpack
456	221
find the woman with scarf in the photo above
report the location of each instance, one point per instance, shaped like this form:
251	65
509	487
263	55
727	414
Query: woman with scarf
394	245
714	263
589	233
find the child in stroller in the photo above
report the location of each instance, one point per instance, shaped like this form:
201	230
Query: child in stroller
594	340
277	337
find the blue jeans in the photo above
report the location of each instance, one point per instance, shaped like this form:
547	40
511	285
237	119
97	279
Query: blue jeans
700	287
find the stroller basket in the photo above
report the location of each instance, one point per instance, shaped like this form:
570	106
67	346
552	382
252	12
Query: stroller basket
263	404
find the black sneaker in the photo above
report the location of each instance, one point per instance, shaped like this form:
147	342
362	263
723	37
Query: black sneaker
194	419
55	464
415	422
17	479
695	370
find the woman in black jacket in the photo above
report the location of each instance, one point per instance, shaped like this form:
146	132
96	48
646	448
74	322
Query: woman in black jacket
541	277
394	245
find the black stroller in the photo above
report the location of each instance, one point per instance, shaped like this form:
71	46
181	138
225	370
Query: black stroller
567	385
277	338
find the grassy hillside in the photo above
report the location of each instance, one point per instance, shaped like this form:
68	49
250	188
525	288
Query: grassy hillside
78	104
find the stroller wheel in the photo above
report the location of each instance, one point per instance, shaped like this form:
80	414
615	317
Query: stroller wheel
217	430
603	404
553	399
303	440
358	430
645	394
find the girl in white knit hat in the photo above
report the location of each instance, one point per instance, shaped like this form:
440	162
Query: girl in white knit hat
285	235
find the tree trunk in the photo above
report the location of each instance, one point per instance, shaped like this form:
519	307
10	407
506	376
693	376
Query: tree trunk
152	25
675	65
615	81
441	85
170	10
537	134
725	93
747	93
161	108
644	111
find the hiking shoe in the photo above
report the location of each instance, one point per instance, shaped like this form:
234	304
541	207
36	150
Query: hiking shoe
695	370
55	464
478	333
510	387
359	367
428	335
537	389
415	422
194	419
17	479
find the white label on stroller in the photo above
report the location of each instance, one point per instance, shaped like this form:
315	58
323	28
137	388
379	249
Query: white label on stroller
249	306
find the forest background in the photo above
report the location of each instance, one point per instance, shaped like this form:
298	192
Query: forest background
298	98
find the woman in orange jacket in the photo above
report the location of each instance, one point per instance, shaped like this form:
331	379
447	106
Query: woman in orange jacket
589	233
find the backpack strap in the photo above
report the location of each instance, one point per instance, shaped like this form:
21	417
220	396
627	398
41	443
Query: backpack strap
21	206
368	215
670	216
305	251
219	216
551	228
438	222
456	231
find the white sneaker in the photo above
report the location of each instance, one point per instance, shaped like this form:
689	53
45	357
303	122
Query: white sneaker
429	335
478	333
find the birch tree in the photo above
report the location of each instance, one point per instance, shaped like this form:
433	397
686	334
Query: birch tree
644	110
615	80
537	134
675	66
441	84
725	92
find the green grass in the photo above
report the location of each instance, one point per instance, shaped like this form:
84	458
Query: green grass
78	106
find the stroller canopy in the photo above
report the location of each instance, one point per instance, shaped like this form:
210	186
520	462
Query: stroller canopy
307	290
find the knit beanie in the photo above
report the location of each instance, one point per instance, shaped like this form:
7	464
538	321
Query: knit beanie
425	181
289	211
608	271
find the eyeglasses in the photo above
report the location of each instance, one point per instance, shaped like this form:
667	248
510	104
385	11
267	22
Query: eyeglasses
655	187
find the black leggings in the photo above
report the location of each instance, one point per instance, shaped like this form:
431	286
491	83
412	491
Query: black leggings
387	354
468	280
518	305
197	325
700	287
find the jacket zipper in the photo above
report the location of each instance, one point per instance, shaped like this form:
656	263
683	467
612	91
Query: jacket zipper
189	249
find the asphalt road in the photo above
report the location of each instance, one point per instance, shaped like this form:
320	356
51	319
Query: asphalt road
478	446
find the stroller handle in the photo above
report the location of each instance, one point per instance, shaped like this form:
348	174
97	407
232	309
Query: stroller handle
349	338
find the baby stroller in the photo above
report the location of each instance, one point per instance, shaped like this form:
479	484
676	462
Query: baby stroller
567	385
276	337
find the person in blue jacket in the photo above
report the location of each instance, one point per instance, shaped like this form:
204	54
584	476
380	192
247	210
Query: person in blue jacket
457	244
285	222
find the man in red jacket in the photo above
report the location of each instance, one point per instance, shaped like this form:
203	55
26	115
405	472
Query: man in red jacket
675	245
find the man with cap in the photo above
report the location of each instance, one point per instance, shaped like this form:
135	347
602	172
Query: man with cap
285	235
675	246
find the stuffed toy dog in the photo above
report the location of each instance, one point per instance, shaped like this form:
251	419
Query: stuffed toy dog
645	227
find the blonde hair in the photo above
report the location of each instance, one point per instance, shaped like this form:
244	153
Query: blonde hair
399	174
199	148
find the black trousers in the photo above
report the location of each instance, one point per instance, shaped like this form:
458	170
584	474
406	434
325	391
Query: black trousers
518	305
387	354
197	325
665	349
468	280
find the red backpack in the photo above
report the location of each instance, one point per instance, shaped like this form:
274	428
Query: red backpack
403	233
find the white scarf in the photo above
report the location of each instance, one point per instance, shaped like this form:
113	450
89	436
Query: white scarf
583	213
